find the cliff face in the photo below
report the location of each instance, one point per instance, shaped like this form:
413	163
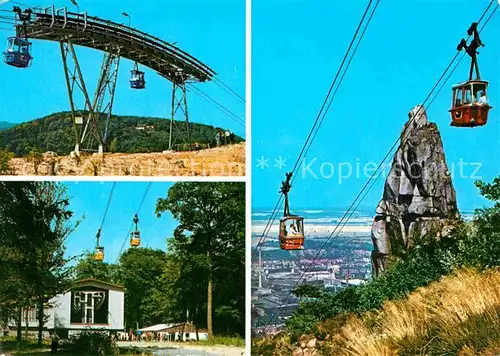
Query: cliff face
418	198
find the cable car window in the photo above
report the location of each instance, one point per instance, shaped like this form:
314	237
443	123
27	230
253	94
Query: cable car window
467	95
457	95
479	91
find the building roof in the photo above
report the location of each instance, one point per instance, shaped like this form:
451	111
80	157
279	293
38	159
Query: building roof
157	327
97	283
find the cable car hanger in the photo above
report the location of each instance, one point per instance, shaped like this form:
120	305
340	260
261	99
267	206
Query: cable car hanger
470	106
293	239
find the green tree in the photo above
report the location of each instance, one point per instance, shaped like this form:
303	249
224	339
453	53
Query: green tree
33	228
5	158
113	146
210	238
87	267
140	270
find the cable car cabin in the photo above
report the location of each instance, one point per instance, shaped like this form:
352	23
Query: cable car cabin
292	233
470	104
18	53
135	238
137	79
99	254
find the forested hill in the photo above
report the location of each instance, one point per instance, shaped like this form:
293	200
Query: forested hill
128	134
5	125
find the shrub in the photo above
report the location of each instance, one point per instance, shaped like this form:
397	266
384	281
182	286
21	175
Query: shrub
5	157
92	342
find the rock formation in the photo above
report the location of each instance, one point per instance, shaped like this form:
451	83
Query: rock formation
418	198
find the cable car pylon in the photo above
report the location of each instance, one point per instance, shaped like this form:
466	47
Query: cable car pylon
179	106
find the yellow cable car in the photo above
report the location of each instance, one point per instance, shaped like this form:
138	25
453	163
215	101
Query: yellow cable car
99	254
99	250
135	236
293	237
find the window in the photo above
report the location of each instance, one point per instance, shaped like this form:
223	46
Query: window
457	95
478	90
89	306
467	94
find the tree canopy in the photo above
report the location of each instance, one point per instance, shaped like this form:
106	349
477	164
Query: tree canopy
55	133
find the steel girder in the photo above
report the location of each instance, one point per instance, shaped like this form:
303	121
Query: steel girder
91	123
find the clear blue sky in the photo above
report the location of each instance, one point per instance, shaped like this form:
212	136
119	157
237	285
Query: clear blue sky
297	48
212	31
89	199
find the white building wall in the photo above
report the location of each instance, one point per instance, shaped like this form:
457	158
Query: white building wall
116	310
60	313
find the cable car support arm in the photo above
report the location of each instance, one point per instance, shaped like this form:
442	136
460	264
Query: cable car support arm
285	189
471	50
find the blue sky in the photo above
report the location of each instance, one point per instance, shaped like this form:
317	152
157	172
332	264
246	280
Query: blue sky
297	48
212	31
88	201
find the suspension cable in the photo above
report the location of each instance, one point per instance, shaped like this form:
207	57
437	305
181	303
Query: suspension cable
228	89
220	106
325	106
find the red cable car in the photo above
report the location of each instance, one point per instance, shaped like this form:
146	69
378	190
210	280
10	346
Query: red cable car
470	106
291	233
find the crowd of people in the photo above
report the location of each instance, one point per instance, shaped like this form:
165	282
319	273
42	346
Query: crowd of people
224	138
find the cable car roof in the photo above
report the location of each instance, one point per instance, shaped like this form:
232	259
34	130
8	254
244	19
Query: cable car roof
474	81
20	39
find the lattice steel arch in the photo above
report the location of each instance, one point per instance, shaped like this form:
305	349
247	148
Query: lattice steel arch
71	29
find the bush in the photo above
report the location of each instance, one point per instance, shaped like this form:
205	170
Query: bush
93	343
5	157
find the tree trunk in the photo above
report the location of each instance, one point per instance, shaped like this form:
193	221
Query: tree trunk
19	325
27	321
41	317
209	293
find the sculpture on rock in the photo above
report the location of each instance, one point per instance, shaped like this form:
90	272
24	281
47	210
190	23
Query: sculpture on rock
418	198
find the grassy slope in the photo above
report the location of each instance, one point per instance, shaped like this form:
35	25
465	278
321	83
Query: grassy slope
458	315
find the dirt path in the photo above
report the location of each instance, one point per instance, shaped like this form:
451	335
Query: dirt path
221	161
219	350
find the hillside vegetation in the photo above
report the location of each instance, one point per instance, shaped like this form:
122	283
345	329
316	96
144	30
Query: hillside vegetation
55	133
441	297
5	125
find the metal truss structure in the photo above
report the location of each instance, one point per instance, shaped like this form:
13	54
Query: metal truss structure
91	118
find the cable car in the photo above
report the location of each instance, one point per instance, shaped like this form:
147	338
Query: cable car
470	106
18	53
99	254
291	233
99	250
137	80
135	236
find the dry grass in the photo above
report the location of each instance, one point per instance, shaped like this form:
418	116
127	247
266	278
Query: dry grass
458	315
